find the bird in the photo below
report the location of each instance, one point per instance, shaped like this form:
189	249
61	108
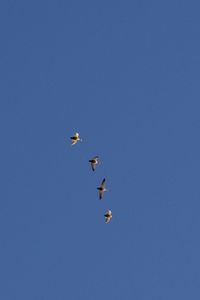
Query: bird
94	161
75	138
102	188
108	216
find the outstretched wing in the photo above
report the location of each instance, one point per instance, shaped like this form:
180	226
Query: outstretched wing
100	194
93	165
73	141
103	183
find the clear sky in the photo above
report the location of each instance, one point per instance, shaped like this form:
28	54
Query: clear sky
126	75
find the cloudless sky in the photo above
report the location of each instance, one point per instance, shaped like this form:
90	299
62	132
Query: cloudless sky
125	75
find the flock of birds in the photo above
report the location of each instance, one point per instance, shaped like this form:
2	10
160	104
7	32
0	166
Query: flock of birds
94	162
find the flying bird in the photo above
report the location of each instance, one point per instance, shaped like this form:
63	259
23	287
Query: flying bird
108	216
102	188
75	138
94	161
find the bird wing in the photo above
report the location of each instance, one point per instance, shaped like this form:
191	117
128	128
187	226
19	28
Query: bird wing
74	138
76	134
73	142
100	194
107	219
103	183
93	165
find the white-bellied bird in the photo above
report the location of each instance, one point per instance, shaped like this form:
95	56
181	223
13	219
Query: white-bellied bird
102	188
108	216
94	161
75	138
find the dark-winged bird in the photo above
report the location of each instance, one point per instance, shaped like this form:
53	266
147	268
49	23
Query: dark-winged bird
102	188
75	138
94	161
108	216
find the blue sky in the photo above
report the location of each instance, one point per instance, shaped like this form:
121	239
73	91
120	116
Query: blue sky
125	74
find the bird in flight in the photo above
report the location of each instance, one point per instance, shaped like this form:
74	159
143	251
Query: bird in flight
102	188
75	138
108	216
94	161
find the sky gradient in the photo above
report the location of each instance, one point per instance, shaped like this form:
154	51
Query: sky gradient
125	75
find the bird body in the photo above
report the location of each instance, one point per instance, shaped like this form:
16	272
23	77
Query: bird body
75	138
108	216
102	189
94	161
